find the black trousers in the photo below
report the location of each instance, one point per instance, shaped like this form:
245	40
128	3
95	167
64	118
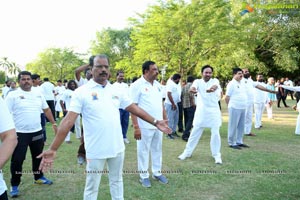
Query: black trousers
35	141
52	108
3	196
180	117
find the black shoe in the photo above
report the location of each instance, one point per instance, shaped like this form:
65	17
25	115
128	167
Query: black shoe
235	147
243	145
175	134
170	136
185	138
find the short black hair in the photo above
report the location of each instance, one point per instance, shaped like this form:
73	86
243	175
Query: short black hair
190	79
236	70
176	76
70	82
46	79
35	76
146	65
206	66
91	61
59	81
120	72
23	73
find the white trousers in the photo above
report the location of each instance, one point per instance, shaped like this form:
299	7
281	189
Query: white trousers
94	170
258	109
215	141
150	144
248	118
236	126
78	127
77	130
297	131
269	110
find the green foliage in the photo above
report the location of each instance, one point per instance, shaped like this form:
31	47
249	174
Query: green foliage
56	63
2	77
116	45
10	68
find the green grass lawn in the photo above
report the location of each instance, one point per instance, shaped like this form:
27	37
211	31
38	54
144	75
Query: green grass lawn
269	169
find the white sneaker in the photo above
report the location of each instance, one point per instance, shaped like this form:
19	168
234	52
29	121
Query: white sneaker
218	161
184	156
126	141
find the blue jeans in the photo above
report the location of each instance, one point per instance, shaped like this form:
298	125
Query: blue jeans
173	116
124	119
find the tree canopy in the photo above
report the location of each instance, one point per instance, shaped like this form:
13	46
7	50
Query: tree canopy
182	36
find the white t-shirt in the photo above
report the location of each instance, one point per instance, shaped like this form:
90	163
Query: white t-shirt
59	90
81	82
237	92
250	87
47	89
67	97
26	109
259	95
172	87
121	88
208	112
4	91
6	123
99	107
149	98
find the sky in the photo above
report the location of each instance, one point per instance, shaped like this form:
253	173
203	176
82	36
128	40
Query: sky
31	26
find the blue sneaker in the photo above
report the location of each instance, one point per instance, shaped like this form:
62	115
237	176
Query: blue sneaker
43	181
145	182
14	191
162	179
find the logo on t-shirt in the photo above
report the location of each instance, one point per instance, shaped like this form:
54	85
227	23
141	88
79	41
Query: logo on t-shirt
95	96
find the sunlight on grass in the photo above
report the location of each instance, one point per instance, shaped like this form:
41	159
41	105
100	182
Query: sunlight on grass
269	169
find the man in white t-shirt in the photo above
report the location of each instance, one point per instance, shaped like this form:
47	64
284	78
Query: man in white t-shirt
251	86
99	105
289	83
36	81
260	100
48	91
58	92
25	105
146	92
86	68
172	98
207	115
65	102
5	88
122	87
8	143
236	99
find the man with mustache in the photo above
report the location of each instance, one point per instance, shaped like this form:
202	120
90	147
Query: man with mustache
99	105
207	115
146	92
25	105
124	114
251	86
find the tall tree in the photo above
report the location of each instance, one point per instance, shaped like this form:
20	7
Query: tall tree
56	63
116	45
9	67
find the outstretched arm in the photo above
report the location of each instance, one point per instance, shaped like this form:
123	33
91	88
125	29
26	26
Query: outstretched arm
162	125
296	88
62	131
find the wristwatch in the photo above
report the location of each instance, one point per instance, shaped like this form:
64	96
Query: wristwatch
154	122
